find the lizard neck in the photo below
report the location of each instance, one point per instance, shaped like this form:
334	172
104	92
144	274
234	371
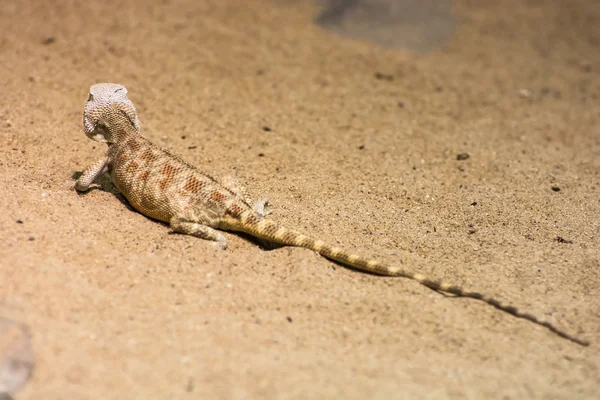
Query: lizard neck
120	133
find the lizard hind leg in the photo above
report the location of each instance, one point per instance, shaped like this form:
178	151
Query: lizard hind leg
198	228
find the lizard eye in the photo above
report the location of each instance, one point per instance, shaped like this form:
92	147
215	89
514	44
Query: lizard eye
90	97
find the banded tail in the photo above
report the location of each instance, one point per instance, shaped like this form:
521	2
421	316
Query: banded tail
262	228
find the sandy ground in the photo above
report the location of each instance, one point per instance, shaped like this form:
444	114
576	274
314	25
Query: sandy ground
353	142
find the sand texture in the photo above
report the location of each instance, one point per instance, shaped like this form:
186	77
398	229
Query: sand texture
472	155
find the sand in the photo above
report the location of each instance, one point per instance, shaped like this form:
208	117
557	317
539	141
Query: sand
355	142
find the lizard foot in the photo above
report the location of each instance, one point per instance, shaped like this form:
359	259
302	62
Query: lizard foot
221	243
259	207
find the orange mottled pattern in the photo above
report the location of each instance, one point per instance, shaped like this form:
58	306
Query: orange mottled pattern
193	185
170	173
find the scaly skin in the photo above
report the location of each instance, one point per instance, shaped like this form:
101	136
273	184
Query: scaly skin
162	186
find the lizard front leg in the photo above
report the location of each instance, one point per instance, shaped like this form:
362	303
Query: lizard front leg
90	174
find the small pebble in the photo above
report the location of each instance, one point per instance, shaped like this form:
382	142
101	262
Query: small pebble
384	77
560	239
524	93
48	40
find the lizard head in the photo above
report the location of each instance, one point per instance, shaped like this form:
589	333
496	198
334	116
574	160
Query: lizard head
108	112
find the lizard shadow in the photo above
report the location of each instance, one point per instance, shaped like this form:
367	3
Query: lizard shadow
261	243
105	184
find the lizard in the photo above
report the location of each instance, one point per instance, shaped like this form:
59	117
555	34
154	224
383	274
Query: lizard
163	186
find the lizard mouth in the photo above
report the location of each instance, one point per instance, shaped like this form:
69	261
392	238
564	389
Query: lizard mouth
92	130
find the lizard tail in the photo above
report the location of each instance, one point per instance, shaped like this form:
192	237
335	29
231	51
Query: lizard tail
266	229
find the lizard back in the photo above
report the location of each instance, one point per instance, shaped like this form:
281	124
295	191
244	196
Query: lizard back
161	185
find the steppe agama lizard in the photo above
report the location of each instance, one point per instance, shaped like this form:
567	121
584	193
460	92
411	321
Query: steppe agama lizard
163	186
